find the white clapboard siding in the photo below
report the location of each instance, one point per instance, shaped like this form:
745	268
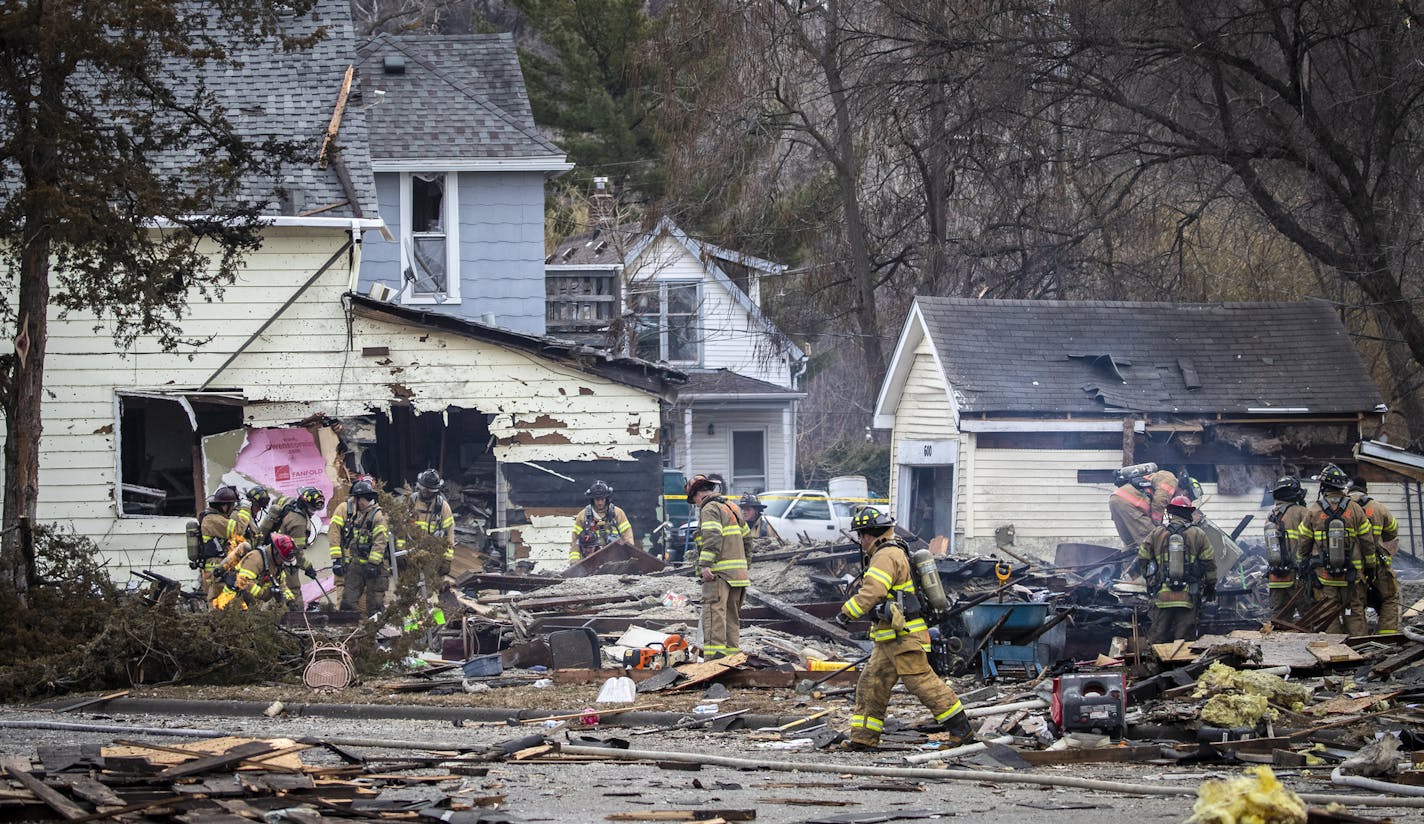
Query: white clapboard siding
713	453
298	366
1037	491
731	338
923	413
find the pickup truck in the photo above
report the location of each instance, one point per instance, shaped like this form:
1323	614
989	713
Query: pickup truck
810	512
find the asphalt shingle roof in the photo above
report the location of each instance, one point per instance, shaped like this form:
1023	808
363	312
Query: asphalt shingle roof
1005	356
727	382
290	95
459	97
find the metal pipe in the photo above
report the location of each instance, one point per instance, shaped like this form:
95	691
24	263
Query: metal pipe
1338	777
937	774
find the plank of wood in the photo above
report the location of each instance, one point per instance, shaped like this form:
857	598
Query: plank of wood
1328	653
1099	755
708	670
283	757
49	796
1345	705
92	791
1399	660
197	766
1174	651
335	125
89	702
794	612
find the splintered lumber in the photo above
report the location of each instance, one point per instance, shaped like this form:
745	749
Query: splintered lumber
708	670
1399	660
89	702
92	791
282	757
197	766
795	613
48	796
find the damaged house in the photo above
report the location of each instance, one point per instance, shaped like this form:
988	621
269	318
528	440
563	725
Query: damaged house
1017	413
697	307
297	372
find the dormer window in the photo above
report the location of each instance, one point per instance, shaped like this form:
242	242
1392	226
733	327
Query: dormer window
429	241
665	321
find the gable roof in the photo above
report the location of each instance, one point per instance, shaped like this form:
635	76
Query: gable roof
623	244
640	374
1118	358
458	98
290	95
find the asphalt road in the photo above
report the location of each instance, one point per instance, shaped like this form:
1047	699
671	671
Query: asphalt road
587	792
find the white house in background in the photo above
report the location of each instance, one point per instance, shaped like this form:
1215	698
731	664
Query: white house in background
666	297
135	439
1018	412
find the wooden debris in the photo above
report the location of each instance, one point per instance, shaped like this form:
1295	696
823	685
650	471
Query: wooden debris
704	816
708	670
89	702
51	797
1344	705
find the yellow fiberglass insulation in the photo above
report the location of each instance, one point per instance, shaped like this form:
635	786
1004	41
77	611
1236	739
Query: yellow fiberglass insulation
1220	678
1255	798
1236	710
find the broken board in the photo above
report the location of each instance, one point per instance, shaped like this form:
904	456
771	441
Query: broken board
1278	649
211	746
708	670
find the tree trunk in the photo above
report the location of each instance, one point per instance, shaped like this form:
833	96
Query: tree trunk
22	414
1382	288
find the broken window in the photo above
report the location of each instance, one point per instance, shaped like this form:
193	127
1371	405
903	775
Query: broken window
427	242
579	302
666	324
160	461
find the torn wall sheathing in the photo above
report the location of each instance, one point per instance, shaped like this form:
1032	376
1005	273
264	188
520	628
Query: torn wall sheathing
300	365
557	428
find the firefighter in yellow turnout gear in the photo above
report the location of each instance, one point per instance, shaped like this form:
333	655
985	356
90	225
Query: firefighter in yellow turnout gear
1332	550
431	514
598	524
265	574
722	566
1180	567
1380	580
365	538
217	532
887	594
1285	526
245	518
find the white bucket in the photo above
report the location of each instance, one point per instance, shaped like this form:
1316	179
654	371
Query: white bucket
854	487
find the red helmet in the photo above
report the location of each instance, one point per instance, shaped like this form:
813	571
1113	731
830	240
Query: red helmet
1181	505
284	549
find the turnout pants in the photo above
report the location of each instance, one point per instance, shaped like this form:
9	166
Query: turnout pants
1384	586
1280	598
1172	624
357	584
900	660
1351	599
721	618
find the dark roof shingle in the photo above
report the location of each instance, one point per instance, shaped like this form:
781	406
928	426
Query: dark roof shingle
458	97
1007	356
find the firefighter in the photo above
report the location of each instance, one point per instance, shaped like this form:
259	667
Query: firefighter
1180	567
340	560
902	640
752	511
294	517
248	516
722	566
1380	581
1140	500
266	573
1284	528
365	538
432	515
598	524
217	530
1332	550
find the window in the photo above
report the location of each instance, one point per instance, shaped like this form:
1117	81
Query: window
579	302
158	446
749	461
429	239
811	509
665	325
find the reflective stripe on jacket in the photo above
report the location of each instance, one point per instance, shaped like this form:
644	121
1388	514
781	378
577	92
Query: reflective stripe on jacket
889	573
723	546
434	517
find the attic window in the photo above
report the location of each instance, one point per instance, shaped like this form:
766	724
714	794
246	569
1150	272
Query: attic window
1104	363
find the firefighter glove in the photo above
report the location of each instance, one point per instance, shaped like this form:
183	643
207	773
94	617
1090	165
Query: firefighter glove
1150	572
1209	592
338	568
309	571
194	564
842	619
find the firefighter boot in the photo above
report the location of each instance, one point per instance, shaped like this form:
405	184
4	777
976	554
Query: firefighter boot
957	726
